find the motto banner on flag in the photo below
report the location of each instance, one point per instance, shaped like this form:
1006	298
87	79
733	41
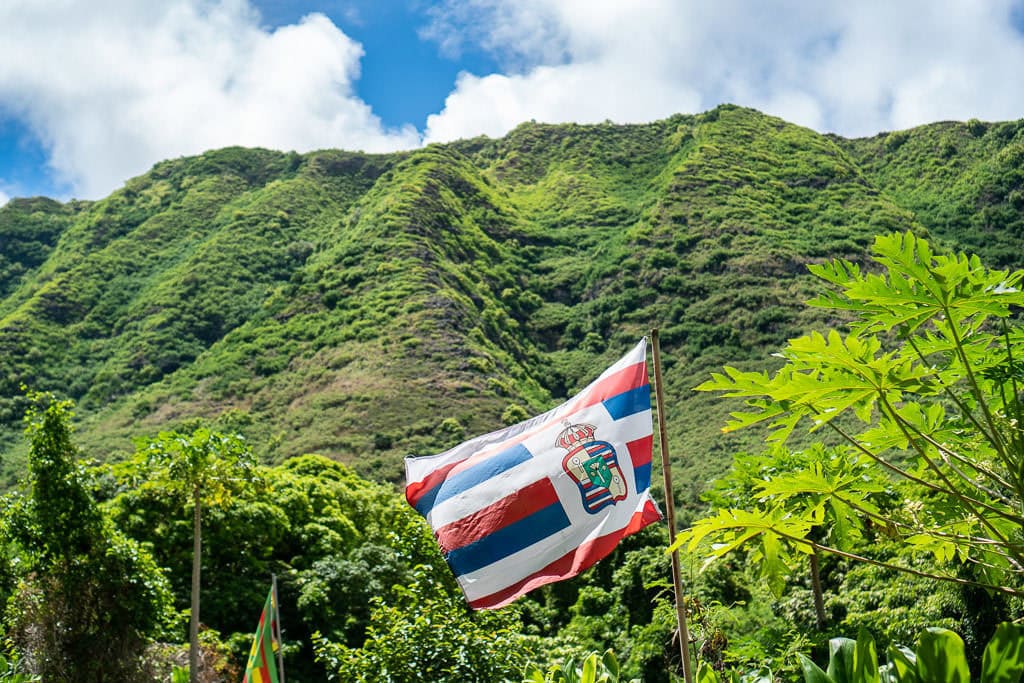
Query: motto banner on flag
545	499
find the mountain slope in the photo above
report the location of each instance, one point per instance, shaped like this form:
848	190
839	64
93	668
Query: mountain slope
369	306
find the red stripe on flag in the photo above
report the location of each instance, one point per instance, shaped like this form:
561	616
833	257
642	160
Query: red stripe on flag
620	382
570	564
640	450
417	489
498	515
627	378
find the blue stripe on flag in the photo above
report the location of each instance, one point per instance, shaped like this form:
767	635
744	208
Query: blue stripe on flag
642	476
508	540
468	478
629	402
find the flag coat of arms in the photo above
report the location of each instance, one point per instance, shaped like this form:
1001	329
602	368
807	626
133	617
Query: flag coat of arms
262	666
545	499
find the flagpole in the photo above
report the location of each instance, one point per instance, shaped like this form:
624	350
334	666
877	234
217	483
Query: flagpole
277	627
670	512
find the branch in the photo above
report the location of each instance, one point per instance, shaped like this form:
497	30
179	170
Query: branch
942	448
1019	419
961	406
917	480
977	541
995	437
907	570
963	499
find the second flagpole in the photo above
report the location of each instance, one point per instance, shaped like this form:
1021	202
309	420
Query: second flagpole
276	630
670	512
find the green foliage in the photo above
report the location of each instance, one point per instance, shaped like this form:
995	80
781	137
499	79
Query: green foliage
820	492
199	467
336	541
304	290
29	229
930	372
371	306
593	668
708	674
89	598
428	634
204	465
939	656
12	670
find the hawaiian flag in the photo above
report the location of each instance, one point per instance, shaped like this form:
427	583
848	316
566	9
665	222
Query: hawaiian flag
545	499
262	666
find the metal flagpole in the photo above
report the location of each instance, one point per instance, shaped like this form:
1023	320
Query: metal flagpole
670	512
277	631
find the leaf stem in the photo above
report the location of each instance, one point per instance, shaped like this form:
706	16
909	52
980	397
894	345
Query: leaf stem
908	570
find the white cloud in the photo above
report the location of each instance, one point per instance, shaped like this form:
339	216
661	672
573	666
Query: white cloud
112	86
852	68
584	93
4	198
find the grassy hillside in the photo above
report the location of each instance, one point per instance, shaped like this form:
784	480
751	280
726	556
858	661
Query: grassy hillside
370	306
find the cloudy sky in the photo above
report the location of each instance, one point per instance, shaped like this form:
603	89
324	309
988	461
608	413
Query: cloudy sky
93	92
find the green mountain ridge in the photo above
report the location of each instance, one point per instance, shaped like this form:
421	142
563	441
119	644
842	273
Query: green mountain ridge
369	306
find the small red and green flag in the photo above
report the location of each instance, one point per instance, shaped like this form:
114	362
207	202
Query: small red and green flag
262	667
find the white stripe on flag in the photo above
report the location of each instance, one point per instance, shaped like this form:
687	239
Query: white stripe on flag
546	462
514	568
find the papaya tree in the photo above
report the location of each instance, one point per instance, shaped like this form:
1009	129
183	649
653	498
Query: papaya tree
924	383
201	466
829	487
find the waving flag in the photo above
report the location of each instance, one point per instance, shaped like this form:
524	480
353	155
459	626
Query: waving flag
545	499
262	667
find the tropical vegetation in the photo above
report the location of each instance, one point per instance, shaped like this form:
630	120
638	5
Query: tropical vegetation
233	353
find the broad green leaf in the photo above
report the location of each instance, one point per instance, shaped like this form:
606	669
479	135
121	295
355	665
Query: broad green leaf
705	674
533	674
1003	661
812	672
865	659
611	664
589	674
759	676
941	658
841	659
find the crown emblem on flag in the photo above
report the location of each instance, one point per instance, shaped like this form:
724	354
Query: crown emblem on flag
573	435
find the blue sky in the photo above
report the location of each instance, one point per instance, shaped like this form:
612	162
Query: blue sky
95	92
405	77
